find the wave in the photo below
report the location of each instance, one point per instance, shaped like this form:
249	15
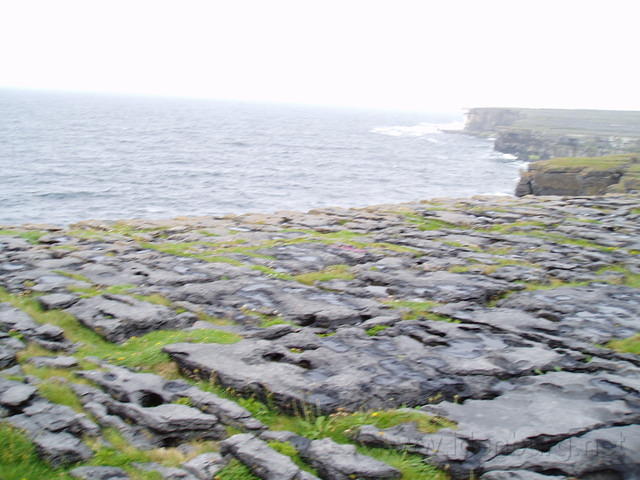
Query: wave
419	130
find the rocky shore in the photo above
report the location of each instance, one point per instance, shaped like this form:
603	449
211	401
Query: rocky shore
493	338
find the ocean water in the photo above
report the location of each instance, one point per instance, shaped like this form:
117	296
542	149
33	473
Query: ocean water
66	157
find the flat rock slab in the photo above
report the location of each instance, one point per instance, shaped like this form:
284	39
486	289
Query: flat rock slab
205	466
408	364
17	395
118	317
263	461
441	286
613	451
531	415
9	346
54	362
61	448
594	314
57	300
343	462
148	390
99	473
295	302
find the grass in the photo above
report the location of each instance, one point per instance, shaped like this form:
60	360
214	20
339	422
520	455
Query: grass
235	471
415	310
31	236
290	451
73	276
143	352
622	276
341	426
373	331
626	345
87	292
19	460
426	224
607	162
333	272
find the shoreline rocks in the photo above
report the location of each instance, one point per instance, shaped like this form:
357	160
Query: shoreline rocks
495	313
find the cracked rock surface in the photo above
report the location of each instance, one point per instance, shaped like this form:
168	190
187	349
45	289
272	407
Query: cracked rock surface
504	316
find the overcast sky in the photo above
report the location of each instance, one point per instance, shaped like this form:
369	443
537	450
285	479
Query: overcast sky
420	55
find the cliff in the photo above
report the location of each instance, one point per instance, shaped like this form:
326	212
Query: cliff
269	346
539	134
581	176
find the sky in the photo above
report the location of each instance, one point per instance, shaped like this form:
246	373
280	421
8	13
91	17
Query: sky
439	56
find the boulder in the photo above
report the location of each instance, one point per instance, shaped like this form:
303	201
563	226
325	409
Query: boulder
343	462
263	461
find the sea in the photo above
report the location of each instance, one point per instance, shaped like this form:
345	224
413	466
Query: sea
66	157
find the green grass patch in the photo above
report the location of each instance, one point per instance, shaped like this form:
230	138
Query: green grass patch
564	240
144	352
20	461
333	272
429	223
412	466
373	331
624	276
31	236
235	471
93	291
627	345
270	272
73	276
290	451
414	310
607	162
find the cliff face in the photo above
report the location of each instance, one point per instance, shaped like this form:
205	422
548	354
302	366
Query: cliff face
581	176
532	145
540	134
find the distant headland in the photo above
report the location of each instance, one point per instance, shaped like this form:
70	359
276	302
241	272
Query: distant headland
576	152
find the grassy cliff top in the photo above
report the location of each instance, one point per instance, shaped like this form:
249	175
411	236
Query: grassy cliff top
609	162
561	121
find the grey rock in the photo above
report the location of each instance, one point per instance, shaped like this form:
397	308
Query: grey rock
17	395
519	475
205	466
48	336
99	473
167	473
55	418
175	422
49	332
148	390
602	453
13	319
352	370
297	303
594	314
443	286
54	362
54	301
263	461
61	448
118	317
343	462
9	346
530	413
